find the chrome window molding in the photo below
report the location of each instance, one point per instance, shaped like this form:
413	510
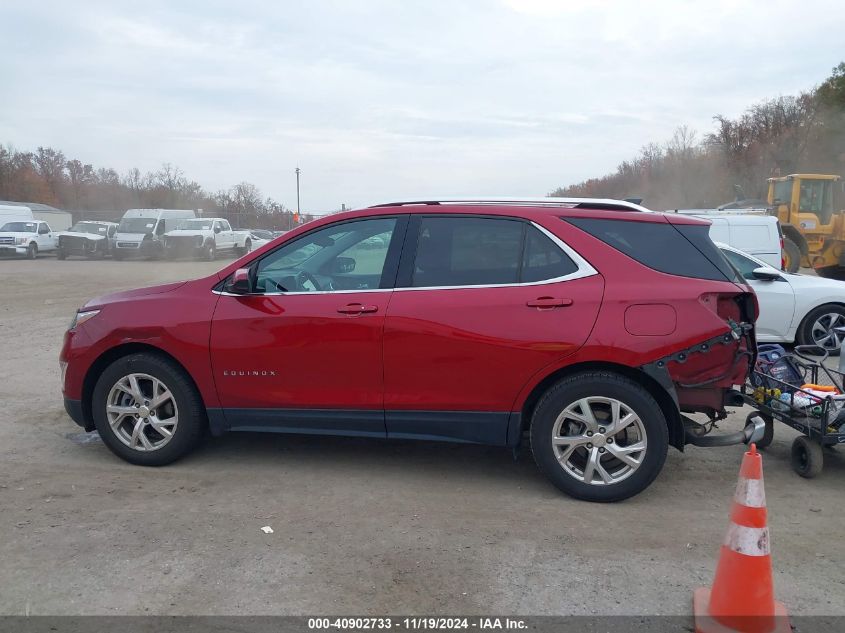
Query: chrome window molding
584	269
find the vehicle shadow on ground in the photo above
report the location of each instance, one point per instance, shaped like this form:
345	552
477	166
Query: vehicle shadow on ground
368	456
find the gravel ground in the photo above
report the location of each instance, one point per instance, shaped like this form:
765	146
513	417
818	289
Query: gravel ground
359	525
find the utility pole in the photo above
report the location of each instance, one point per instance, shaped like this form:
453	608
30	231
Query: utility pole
298	210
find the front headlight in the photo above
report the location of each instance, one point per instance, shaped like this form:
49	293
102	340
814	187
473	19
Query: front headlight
199	240
82	316
20	241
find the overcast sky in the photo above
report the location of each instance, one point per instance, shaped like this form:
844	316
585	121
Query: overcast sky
379	100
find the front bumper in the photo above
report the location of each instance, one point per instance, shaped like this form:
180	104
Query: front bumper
145	248
8	249
82	248
183	246
74	410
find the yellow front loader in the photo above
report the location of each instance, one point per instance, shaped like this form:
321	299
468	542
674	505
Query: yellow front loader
813	227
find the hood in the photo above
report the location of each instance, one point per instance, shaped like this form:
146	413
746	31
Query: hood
134	294
187	233
798	280
94	237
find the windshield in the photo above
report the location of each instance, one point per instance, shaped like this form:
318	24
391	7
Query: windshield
88	227
19	227
816	197
195	225
136	225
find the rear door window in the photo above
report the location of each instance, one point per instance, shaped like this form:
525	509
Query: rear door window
479	251
463	251
685	250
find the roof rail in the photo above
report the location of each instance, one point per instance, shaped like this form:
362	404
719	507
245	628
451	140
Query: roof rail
608	204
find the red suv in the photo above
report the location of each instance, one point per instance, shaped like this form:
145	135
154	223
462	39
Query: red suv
589	326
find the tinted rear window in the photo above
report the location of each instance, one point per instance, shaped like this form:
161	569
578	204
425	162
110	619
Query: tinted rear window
476	251
685	250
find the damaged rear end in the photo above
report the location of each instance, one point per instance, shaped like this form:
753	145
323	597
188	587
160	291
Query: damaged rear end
692	313
704	376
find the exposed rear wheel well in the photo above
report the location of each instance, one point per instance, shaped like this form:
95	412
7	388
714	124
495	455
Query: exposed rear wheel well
107	358
664	400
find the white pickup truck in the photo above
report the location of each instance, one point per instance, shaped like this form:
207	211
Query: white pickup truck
204	238
26	237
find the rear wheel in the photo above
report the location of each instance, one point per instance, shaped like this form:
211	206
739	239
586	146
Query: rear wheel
32	251
60	254
147	410
807	457
819	327
791	255
599	436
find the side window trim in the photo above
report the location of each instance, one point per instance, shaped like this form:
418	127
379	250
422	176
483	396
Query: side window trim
409	254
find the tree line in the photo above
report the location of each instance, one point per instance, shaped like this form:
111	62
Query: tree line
804	133
47	176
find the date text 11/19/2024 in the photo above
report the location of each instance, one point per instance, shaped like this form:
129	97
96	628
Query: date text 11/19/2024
416	623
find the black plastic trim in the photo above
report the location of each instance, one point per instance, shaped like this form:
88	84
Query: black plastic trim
311	421
74	410
478	427
497	428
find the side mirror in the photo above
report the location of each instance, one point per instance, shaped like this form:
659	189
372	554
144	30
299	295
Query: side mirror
217	229
343	265
240	284
765	273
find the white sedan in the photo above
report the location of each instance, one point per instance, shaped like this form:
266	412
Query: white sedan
259	237
804	309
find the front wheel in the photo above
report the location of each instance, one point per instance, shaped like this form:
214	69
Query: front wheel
210	252
147	411
820	327
599	436
32	251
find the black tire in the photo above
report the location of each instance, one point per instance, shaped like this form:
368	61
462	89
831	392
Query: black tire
804	336
832	272
768	433
807	457
60	254
192	421
792	255
247	247
209	253
600	384
32	251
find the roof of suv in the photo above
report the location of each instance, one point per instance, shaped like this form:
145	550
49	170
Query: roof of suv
604	204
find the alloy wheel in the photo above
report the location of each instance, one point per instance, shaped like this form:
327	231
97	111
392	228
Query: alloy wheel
142	412
599	440
823	331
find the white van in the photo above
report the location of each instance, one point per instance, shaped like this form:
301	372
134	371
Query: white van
758	235
141	231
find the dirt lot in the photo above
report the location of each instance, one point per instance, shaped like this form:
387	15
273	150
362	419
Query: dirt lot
360	526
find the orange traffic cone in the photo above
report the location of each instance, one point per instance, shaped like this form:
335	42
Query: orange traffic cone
742	598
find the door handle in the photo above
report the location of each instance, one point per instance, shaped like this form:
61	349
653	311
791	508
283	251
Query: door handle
356	308
548	302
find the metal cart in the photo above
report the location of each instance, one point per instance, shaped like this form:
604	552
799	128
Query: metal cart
798	389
